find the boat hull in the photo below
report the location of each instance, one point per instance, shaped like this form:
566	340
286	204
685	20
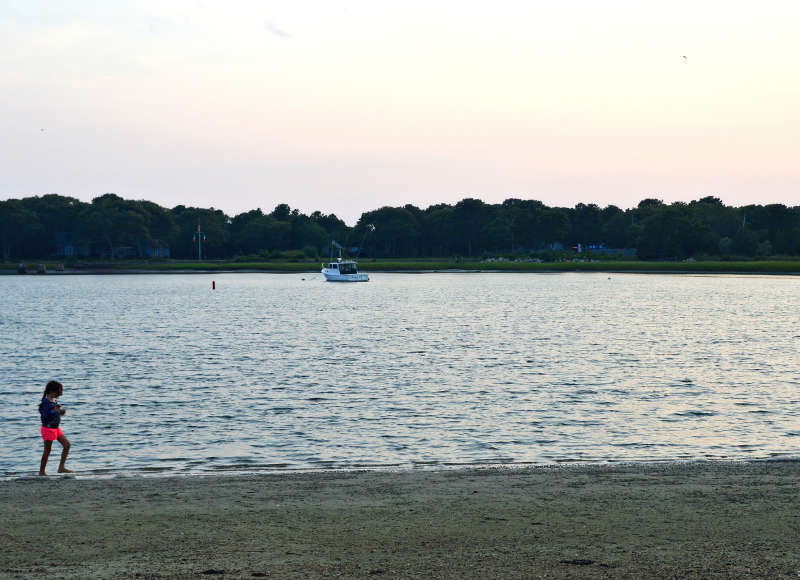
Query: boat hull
346	277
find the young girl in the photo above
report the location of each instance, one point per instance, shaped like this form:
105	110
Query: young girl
51	413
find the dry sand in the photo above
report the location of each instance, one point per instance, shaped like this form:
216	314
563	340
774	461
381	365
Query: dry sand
706	520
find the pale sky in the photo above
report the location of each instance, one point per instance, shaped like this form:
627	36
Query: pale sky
347	106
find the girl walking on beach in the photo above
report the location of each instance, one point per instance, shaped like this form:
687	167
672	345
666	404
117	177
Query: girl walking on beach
51	413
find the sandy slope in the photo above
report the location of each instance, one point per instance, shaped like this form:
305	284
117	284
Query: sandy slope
727	520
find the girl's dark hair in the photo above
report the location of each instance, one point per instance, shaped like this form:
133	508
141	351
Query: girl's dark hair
53	387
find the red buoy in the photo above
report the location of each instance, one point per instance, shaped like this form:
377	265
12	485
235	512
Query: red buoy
213	285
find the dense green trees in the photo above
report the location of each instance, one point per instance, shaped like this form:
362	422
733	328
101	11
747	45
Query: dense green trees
113	227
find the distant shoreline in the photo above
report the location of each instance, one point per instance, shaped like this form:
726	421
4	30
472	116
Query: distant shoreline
788	267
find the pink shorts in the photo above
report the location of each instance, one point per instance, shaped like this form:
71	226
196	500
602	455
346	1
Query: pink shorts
51	434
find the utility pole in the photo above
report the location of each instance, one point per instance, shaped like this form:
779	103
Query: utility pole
198	238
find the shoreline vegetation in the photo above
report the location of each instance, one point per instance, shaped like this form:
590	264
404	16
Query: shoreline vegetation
673	520
112	228
420	266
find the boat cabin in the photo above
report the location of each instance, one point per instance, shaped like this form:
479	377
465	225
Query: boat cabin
344	267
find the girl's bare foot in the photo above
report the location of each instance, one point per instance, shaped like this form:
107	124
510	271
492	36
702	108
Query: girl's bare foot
42	474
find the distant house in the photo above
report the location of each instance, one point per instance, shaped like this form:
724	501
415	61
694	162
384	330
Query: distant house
66	248
601	249
64	245
156	249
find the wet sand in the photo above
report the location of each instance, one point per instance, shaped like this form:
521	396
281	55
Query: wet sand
706	520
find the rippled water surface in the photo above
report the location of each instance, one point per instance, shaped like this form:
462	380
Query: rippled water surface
273	372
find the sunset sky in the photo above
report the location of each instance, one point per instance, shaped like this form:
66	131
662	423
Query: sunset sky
347	106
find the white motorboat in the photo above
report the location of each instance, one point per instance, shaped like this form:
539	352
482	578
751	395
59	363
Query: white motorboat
343	271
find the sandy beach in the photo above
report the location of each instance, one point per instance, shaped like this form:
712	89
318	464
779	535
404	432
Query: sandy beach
701	520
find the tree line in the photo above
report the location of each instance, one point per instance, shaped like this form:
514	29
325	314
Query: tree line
110	226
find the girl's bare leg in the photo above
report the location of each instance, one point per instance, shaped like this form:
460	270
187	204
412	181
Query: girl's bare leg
64	452
45	455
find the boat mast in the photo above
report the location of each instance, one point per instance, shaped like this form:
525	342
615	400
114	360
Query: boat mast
334	244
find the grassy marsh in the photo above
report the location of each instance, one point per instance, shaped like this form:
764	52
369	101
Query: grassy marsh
438	265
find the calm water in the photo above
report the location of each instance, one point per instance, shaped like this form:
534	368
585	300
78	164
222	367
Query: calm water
272	372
